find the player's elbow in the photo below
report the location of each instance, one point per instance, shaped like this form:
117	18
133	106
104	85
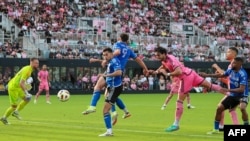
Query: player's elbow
241	90
119	72
178	72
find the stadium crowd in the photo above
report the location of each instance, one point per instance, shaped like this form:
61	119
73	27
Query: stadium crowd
221	19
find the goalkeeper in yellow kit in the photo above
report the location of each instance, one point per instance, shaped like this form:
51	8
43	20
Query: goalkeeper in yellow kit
18	88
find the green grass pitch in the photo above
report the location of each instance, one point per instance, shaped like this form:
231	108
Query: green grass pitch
63	121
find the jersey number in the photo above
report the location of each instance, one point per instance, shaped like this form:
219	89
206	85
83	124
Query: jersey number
124	52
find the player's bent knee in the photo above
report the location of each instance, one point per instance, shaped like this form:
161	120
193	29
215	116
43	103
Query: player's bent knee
14	106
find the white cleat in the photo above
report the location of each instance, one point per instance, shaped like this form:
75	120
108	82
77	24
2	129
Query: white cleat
48	102
163	107
106	134
190	107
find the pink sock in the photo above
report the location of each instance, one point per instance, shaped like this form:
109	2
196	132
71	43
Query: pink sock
215	87
179	110
234	117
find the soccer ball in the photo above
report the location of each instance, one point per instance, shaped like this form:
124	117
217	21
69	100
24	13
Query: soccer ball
63	95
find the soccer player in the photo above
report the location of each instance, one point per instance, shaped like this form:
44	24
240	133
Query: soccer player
238	92
17	90
189	79
43	78
231	53
174	90
113	79
123	53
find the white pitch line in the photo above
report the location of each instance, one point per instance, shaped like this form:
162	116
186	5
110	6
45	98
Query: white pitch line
124	130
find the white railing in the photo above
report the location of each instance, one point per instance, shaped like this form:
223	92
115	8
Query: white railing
248	30
9	26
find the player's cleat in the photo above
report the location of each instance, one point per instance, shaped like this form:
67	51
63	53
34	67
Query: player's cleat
106	134
4	121
126	115
190	107
35	101
163	107
114	119
214	131
91	109
16	115
48	102
172	128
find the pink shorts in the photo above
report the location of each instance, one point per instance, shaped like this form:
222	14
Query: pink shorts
44	86
188	81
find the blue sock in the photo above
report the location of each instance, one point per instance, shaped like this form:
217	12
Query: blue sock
216	125
120	104
107	120
95	97
113	108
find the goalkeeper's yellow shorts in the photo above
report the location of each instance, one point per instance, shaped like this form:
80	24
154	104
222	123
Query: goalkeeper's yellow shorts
15	94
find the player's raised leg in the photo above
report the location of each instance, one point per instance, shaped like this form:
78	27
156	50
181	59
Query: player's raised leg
96	96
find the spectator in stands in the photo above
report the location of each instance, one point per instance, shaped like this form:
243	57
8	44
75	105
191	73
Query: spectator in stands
48	35
133	85
162	83
126	82
151	82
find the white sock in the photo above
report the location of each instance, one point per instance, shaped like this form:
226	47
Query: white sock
114	113
109	130
176	123
221	126
125	110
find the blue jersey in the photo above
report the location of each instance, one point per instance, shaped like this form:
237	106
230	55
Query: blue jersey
125	53
113	65
237	79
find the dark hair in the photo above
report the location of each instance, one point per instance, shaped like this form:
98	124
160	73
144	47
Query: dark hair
239	59
161	50
234	49
108	49
124	37
33	59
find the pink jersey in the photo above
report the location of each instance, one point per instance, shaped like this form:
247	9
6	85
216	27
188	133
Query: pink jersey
188	78
171	63
43	76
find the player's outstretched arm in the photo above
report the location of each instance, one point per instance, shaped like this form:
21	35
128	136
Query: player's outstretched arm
218	69
216	75
93	60
142	64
